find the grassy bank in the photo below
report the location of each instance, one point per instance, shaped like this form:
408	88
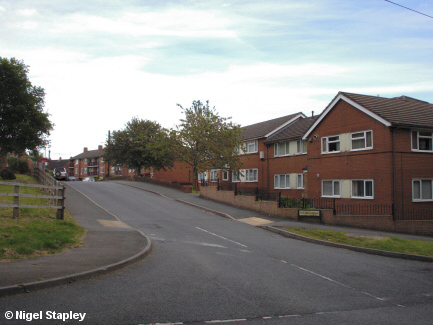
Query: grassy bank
37	231
391	244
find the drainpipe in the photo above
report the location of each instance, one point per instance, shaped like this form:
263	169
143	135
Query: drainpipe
267	166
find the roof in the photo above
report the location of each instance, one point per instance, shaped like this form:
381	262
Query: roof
398	111
57	163
266	128
405	111
89	154
293	130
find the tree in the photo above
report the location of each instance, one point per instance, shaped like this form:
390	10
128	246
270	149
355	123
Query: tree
141	144
206	140
24	125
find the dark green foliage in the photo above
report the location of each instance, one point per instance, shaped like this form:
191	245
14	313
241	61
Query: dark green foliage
142	144
16	164
24	125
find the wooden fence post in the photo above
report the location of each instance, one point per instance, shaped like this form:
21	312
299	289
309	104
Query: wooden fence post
16	212
61	202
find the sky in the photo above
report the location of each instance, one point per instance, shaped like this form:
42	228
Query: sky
102	63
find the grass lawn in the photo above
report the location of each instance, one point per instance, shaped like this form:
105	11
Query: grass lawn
391	244
37	231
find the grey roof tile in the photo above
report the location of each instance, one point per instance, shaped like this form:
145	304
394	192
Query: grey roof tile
404	111
259	130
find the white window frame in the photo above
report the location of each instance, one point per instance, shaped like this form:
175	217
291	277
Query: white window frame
277	181
213	175
416	134
225	175
201	176
364	137
235	177
420	198
277	147
325	147
301	147
334	182
365	181
300	181
252	175
252	143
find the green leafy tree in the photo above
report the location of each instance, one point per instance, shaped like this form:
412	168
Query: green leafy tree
206	140
23	124
141	144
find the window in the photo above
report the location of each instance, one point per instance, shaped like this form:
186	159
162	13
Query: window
422	141
102	169
331	188
251	146
422	190
85	170
362	140
362	189
201	176
282	181
213	175
301	147
331	144
300	181
281	149
76	161
225	175
235	177
251	175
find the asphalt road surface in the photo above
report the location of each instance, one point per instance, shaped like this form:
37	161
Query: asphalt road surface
205	268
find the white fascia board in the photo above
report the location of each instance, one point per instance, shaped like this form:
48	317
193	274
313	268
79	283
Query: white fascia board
351	102
300	115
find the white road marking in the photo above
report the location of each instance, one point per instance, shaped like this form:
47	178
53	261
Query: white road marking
211	233
339	283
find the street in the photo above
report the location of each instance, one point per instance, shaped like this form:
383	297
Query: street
208	268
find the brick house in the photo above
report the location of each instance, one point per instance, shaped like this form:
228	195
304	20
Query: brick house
374	150
88	163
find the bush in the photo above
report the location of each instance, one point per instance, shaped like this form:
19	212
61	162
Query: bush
19	165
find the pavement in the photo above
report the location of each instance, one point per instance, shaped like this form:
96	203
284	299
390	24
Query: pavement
110	244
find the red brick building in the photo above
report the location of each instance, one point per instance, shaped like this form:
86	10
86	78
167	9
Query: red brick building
373	149
360	150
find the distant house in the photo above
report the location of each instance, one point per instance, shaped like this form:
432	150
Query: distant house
88	163
51	164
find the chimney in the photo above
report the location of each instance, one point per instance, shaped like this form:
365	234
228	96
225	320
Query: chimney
85	149
312	114
100	147
60	158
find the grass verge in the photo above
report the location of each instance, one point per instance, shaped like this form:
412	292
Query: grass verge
37	231
391	244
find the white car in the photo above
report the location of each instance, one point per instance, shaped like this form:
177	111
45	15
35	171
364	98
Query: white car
89	179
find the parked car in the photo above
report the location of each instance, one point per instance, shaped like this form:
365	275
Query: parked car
60	173
89	179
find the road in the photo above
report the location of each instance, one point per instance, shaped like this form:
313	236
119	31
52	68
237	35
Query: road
207	268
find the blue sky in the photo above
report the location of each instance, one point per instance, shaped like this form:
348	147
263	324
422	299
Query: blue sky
103	62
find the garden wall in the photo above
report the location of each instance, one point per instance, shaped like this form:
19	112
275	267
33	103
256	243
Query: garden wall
377	222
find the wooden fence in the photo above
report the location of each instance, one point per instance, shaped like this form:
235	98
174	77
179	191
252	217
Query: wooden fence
54	191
